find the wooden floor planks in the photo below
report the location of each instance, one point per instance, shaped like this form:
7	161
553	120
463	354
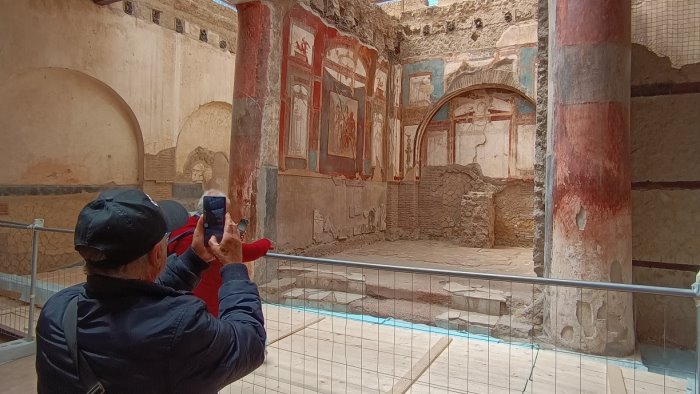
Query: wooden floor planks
332	354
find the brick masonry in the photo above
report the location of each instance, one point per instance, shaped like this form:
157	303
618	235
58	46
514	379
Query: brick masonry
432	208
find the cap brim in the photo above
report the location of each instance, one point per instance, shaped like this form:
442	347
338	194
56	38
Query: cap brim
174	213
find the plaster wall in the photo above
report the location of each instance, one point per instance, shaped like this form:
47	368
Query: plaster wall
55	249
163	76
97	97
314	212
665	164
333	121
64	127
665	192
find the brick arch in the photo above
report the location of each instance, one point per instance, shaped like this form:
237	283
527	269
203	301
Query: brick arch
502	78
459	85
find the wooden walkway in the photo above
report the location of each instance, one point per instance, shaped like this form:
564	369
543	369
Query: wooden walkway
317	353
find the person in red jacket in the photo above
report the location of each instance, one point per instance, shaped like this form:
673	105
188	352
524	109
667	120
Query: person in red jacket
208	288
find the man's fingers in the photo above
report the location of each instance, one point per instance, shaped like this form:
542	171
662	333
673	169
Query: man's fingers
229	225
200	224
213	243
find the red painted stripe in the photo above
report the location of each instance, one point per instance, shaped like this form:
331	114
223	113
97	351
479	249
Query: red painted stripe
593	21
253	48
592	152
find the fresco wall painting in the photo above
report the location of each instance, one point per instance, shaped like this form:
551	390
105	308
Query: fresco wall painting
333	111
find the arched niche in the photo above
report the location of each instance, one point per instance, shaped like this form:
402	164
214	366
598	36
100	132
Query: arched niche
457	87
64	127
203	145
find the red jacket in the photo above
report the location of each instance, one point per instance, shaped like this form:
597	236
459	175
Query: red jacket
208	287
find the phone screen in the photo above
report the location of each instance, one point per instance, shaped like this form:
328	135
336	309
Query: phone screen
214	210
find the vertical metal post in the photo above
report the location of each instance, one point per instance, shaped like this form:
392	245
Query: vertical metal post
37	223
696	289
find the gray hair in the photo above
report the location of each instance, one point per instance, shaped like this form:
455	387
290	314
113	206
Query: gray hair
210	192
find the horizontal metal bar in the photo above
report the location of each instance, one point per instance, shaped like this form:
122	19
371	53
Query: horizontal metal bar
29	227
55	230
623	287
15	225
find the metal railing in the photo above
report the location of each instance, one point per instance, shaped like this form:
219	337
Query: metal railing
304	320
36	227
409	349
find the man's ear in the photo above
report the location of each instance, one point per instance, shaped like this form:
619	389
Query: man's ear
156	254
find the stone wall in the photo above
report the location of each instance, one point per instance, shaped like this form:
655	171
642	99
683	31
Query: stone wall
515	223
463	26
397	7
440	193
540	167
362	19
433	207
477	219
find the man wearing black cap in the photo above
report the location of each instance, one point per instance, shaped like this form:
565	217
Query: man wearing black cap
131	327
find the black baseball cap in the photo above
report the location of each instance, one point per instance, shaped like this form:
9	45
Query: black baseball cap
125	224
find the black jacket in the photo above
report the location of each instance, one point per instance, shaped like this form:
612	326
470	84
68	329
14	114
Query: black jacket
141	337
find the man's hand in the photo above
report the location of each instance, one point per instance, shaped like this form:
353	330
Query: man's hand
230	250
198	245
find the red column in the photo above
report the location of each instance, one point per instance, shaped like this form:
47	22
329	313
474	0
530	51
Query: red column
250	93
590	173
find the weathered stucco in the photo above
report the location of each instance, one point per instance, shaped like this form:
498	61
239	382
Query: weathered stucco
100	98
433	208
336	211
454	29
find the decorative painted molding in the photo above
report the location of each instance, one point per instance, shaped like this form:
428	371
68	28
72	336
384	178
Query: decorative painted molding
465	77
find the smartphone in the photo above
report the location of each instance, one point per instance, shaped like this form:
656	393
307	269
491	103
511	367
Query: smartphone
214	210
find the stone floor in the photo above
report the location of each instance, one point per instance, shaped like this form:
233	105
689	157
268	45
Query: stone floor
503	309
445	255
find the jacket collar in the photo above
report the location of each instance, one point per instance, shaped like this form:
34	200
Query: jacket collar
100	286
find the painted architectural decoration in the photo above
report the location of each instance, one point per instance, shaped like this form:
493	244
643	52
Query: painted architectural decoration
409	137
395	147
299	125
302	43
437	148
420	89
343	65
377	139
396	81
493	128
342	129
380	84
334	107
